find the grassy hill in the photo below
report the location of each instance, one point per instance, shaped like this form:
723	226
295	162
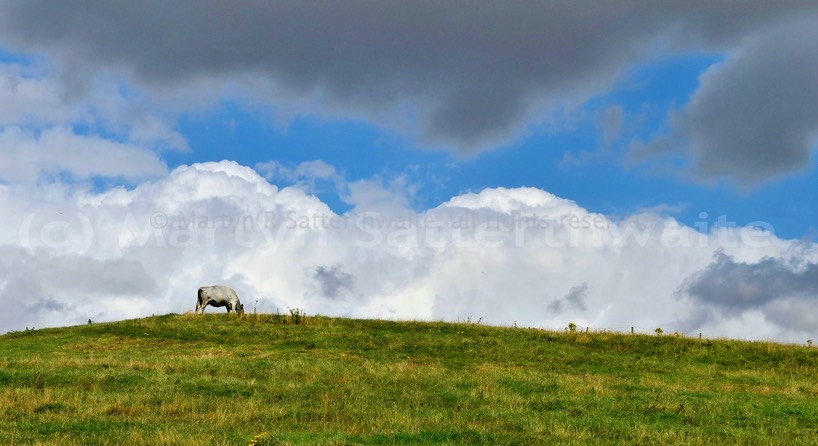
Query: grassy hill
223	380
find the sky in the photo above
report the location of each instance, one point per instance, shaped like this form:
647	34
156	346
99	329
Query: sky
613	165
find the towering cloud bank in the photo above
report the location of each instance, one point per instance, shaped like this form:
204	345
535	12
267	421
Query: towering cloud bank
504	255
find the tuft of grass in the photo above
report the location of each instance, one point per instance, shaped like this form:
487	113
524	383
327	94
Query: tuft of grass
264	379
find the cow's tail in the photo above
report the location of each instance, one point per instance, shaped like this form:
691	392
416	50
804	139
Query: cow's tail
199	302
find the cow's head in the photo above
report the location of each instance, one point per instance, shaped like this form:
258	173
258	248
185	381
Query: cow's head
240	308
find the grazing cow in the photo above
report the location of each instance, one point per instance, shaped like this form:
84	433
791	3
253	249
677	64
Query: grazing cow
219	296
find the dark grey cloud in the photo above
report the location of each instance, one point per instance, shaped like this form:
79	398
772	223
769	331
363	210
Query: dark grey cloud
332	281
576	296
737	286
574	300
755	115
611	123
473	73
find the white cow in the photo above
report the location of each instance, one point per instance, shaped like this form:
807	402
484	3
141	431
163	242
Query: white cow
219	296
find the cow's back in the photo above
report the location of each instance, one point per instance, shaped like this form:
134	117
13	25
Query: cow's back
219	293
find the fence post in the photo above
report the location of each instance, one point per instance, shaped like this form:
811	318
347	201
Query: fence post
631	330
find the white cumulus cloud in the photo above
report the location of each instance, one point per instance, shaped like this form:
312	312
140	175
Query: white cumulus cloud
59	150
504	255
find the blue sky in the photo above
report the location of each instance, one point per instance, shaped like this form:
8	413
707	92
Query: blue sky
571	159
660	120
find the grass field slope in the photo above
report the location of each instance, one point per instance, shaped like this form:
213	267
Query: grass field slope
259	380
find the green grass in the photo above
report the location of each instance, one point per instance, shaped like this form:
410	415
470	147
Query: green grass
223	380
